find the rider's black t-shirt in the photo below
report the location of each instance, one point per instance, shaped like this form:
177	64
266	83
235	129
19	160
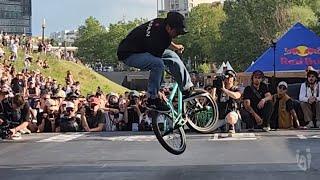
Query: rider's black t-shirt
150	37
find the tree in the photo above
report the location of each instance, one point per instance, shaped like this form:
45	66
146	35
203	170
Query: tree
88	41
203	24
96	43
252	24
113	37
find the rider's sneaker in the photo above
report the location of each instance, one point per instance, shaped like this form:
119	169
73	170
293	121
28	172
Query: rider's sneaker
158	104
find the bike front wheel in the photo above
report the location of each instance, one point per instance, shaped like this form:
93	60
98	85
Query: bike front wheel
201	111
173	139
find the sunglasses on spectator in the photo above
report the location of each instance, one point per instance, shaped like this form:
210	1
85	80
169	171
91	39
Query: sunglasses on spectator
69	109
282	87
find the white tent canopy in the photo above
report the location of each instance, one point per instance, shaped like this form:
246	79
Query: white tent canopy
224	65
229	67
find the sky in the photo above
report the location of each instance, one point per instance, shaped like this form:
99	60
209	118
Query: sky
70	14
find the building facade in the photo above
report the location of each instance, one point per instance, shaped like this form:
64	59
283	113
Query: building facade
65	36
15	16
182	6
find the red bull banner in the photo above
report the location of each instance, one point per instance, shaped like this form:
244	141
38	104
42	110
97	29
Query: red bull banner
294	51
300	55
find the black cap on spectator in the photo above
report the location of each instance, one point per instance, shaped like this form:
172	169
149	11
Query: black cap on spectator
72	95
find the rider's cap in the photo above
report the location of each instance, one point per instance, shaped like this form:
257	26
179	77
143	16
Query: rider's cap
177	21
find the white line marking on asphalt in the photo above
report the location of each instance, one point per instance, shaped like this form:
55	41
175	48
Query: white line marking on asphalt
300	136
233	137
139	138
61	138
216	136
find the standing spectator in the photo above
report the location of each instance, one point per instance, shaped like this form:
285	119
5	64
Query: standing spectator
2	53
14	50
283	116
49	48
310	99
257	103
27	61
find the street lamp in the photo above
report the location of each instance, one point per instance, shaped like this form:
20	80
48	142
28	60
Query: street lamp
43	27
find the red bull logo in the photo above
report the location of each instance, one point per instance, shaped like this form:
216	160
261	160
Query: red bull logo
302	51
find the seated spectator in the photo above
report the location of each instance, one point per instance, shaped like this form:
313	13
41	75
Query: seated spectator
27	61
134	111
284	116
16	110
33	91
39	62
18	84
92	117
69	122
49	118
257	103
310	99
45	64
227	96
69	78
113	111
146	120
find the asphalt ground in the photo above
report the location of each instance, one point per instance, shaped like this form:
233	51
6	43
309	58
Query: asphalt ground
138	155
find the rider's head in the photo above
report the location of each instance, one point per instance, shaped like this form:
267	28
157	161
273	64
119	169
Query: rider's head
175	24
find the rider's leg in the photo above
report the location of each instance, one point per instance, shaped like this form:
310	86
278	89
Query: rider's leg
146	61
177	69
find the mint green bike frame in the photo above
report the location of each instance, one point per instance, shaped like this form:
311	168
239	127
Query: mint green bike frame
177	114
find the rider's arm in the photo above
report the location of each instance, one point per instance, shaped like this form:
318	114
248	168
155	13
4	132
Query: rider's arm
176	47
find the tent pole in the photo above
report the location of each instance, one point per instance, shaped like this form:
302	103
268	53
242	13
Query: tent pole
273	45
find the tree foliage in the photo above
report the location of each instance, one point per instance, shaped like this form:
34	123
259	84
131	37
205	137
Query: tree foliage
97	43
237	31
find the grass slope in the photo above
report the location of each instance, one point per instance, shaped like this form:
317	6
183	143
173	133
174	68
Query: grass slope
89	79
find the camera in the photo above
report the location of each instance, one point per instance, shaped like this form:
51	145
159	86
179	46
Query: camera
88	109
51	117
132	102
218	82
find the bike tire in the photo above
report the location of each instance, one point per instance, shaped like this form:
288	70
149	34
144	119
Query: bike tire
160	134
193	122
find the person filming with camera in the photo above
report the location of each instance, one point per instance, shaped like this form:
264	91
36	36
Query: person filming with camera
227	96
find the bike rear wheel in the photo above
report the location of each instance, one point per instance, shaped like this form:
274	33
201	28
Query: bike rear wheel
201	112
173	139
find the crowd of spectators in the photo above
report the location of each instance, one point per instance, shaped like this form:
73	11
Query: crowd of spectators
40	104
32	103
